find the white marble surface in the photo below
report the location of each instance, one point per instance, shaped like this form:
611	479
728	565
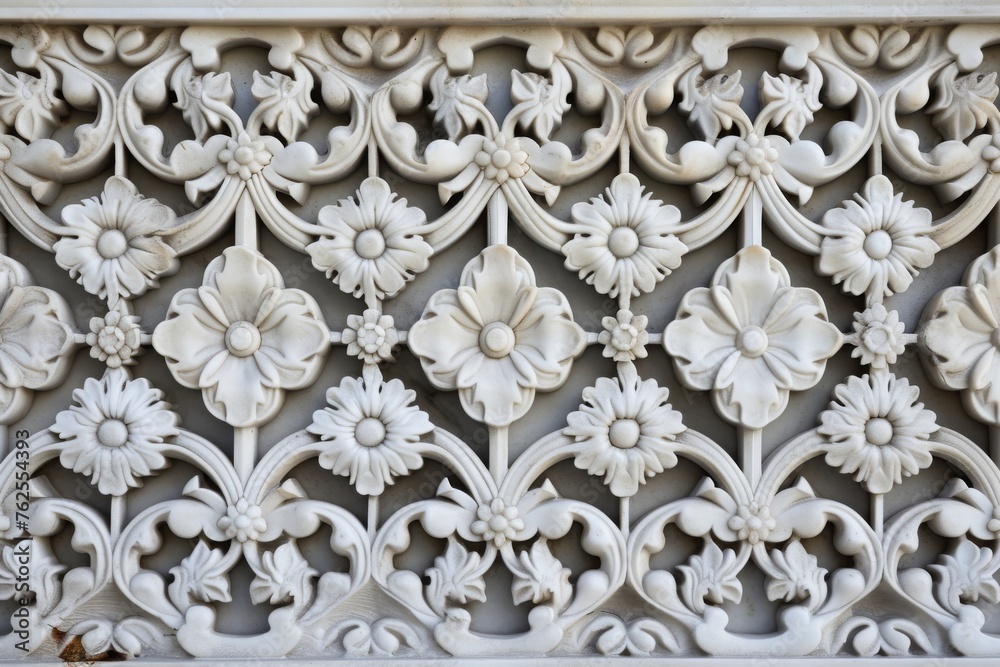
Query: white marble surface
474	342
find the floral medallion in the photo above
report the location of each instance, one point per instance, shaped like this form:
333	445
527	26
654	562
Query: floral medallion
751	338
112	245
242	338
114	432
369	431
498	338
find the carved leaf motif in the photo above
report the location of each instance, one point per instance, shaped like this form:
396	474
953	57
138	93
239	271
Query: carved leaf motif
637	638
29	105
285	575
387	47
892	637
966	576
44	578
457	101
965	103
711	103
710	577
8	573
384	637
201	97
544	102
455	578
285	103
547	579
801	578
127	636
898	634
201	577
794	102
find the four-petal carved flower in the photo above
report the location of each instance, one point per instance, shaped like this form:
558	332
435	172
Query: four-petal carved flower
36	339
960	337
498	338
369	431
112	245
625	431
115	431
242	338
625	242
751	338
791	102
370	247
876	244
877	430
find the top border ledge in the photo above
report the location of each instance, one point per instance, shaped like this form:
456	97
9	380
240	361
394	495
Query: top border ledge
459	12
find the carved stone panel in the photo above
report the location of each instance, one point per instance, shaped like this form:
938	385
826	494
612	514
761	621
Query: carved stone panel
499	341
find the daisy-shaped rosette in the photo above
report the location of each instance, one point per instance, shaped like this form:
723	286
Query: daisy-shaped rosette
370	247
876	244
113	245
242	338
959	337
877	430
625	244
36	340
370	431
115	432
624	430
751	338
498	338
